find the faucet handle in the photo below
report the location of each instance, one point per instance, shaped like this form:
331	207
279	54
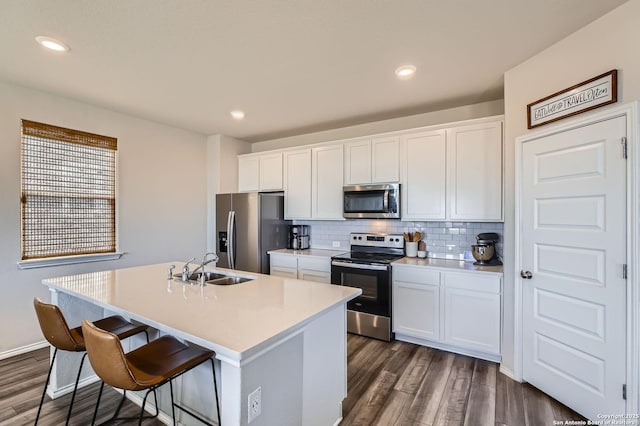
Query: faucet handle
185	269
170	271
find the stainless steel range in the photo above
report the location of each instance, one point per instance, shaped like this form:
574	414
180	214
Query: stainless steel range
368	267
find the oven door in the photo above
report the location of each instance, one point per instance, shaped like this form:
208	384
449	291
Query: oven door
374	280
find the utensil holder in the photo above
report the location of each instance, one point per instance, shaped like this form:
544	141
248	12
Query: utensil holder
411	249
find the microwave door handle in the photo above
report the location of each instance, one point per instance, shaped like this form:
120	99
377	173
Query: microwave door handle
385	202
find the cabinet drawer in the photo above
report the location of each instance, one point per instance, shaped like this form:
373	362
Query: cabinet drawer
474	282
317	276
311	264
284	272
284	261
416	275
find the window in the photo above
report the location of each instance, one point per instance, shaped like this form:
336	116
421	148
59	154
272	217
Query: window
68	202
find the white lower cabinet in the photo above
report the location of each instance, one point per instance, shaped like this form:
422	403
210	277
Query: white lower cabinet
416	302
459	312
301	267
283	265
472	311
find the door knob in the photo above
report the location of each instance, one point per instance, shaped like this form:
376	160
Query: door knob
527	275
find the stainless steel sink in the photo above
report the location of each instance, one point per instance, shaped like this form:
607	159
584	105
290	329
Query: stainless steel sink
211	277
228	280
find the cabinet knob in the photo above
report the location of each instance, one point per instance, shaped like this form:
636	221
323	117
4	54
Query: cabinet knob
527	275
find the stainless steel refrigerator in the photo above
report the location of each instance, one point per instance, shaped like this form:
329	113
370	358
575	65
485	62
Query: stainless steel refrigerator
247	226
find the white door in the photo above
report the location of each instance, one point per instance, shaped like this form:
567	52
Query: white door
574	245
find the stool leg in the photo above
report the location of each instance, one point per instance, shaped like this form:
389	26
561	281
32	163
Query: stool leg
173	405
95	412
75	388
144	402
215	388
44	391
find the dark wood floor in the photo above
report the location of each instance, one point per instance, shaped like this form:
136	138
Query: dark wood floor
400	383
389	384
21	381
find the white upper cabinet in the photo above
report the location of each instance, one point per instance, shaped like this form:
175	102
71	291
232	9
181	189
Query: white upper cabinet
475	172
271	172
248	173
326	183
447	172
385	159
453	174
297	184
372	161
357	167
424	176
260	172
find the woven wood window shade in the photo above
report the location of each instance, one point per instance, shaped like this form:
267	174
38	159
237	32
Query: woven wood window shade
68	203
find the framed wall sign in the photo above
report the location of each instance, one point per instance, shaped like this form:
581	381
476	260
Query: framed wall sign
593	93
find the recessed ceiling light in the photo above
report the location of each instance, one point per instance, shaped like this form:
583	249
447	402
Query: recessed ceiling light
52	44
405	71
237	114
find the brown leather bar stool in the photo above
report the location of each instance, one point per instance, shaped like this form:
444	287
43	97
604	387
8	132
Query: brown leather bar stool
60	336
146	368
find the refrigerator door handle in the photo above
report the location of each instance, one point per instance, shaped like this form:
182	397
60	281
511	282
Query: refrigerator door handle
231	246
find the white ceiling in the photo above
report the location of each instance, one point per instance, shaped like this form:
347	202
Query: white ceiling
294	66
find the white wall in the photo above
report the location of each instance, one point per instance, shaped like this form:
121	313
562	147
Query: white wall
161	198
608	43
467	112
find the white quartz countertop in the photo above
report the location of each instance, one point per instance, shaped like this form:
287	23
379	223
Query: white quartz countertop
235	320
449	265
309	252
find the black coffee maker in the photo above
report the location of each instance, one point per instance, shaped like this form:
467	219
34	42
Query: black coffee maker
484	251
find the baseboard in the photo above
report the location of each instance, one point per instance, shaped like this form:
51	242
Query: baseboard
23	349
507	372
61	391
149	408
450	348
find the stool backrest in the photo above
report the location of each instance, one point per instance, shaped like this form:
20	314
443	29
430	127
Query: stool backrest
107	357
54	327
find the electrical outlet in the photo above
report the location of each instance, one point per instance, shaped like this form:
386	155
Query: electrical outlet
255	404
336	243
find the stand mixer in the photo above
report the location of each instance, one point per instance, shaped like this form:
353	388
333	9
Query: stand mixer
484	251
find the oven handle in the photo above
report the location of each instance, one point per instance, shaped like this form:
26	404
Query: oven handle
359	266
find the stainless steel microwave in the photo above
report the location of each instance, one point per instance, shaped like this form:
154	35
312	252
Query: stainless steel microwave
372	201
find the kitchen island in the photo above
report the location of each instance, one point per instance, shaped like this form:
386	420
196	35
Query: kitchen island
284	336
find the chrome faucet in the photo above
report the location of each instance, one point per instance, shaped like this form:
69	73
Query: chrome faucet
206	261
185	270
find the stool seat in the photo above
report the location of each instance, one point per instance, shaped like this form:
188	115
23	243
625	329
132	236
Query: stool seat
144	368
55	329
149	365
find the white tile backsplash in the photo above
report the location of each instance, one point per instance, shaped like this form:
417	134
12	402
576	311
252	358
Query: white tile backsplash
443	239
